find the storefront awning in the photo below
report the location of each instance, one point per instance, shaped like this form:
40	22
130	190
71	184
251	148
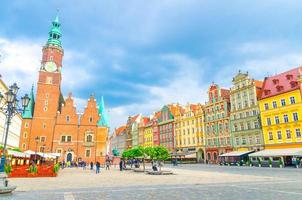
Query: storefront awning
18	154
278	152
235	153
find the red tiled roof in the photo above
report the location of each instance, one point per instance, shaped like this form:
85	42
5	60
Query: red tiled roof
120	130
225	93
134	118
281	83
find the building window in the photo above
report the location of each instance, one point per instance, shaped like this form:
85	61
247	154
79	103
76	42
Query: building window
45	108
256	124
298	133
42	149
295	116
285	118
251	140
243	140
24	146
44	125
277	120
257	139
68	138
67	118
279	135
48	80
90	119
248	125
292	100
283	102
268	121
274	104
89	138
25	135
63	138
288	135
87	153
26	125
266	106
42	139
59	150
270	136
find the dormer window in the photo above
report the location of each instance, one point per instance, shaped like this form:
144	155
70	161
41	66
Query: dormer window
293	84
275	81
289	76
267	92
279	88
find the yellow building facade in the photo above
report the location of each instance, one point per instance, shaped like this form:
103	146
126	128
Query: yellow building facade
281	110
148	135
189	134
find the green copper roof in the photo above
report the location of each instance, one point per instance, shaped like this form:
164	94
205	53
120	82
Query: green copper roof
54	37
29	109
103	114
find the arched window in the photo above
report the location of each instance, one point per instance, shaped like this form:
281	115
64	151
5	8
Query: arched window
215	156
88	138
209	156
24	146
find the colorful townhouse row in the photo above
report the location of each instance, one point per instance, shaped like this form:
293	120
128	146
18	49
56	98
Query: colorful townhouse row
251	116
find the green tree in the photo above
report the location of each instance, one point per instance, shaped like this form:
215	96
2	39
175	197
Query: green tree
158	153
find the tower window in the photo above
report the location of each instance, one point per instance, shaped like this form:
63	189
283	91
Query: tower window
67	118
26	125
49	80
90	119
45	108
42	139
25	135
87	153
24	146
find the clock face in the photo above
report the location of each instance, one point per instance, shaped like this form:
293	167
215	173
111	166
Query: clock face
50	66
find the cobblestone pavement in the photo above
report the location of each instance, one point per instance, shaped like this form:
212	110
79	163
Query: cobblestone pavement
189	182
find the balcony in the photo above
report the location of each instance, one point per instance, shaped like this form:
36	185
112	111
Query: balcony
88	144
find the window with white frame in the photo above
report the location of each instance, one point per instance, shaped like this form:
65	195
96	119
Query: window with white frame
298	133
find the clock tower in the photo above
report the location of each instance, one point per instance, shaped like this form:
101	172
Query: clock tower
49	97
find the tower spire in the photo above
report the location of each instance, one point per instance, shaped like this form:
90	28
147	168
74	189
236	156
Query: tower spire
103	114
54	37
29	109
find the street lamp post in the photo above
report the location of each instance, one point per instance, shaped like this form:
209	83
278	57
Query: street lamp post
10	108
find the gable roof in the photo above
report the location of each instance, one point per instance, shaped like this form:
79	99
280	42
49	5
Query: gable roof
281	83
120	130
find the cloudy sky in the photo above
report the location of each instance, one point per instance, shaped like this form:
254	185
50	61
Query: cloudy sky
141	55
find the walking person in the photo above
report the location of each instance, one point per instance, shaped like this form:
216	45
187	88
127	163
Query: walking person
107	164
84	165
97	166
121	165
91	165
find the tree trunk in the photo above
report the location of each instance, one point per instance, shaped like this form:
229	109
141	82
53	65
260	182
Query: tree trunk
159	164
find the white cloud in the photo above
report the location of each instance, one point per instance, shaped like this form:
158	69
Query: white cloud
185	86
20	62
260	59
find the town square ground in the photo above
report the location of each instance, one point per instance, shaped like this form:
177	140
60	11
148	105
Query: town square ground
188	182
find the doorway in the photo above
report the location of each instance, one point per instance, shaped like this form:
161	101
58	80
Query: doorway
69	157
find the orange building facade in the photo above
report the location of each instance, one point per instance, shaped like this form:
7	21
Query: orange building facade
52	124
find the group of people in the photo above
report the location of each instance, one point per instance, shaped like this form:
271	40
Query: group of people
84	164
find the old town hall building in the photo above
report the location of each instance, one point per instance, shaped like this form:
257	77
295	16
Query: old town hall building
51	123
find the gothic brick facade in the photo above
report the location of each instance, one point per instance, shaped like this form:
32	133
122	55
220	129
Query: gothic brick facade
52	124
